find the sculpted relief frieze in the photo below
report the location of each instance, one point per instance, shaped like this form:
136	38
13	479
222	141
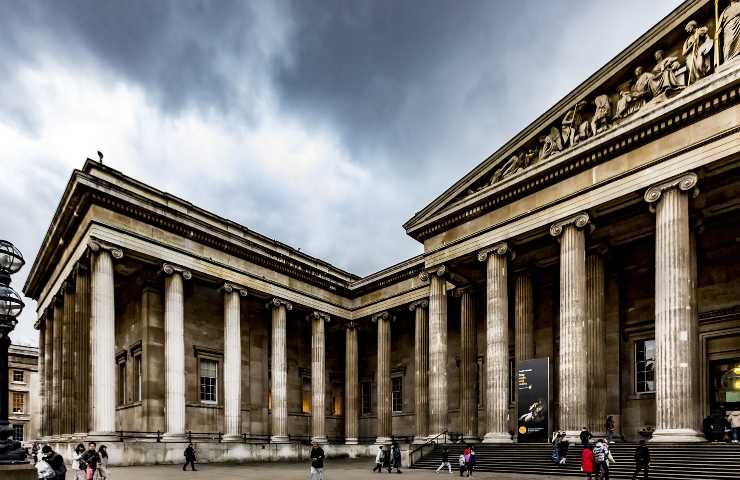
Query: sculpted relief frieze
702	50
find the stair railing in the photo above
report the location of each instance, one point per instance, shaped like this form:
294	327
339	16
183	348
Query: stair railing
418	453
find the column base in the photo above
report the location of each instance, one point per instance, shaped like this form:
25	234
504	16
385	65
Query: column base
279	439
231	438
102	437
319	440
351	441
497	437
383	440
471	439
677	435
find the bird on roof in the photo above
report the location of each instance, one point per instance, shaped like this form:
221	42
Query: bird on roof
100	156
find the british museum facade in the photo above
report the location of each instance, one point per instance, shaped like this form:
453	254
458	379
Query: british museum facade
603	239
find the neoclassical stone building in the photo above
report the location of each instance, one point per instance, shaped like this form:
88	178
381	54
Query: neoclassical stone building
604	236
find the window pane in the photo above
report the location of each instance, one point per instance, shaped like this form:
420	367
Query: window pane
306	395
397	394
137	380
18	376
19	403
645	366
208	379
18	432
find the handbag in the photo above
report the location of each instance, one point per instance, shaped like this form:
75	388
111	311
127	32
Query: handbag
89	473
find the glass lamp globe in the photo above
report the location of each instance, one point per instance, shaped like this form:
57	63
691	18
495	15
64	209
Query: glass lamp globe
11	304
11	259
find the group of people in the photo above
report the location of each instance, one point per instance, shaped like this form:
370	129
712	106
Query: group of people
86	463
719	423
466	461
389	458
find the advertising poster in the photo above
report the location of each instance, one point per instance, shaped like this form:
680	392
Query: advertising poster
533	400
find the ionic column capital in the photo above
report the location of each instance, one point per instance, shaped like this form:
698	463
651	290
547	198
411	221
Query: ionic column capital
318	316
277	302
382	316
96	246
500	249
170	269
423	303
684	182
579	220
351	325
231	288
440	271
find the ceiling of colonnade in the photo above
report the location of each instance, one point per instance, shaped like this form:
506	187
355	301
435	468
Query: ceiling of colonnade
323	125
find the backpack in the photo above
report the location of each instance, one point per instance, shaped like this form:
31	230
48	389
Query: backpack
600	454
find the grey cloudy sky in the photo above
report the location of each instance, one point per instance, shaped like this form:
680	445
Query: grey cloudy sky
324	124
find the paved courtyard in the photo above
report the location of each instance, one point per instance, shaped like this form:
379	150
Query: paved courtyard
336	470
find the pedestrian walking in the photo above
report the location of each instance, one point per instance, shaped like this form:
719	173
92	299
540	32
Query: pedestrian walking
102	472
35	452
91	459
55	463
445	461
733	417
388	459
601	456
79	467
471	462
189	458
317	462
556	439
379	459
462	464
610	426
642	460
587	461
563	446
396	452
585	436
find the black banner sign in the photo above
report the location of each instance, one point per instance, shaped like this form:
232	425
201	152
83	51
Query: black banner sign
533	400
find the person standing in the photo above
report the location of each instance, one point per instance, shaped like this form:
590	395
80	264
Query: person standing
461	463
379	459
585	436
396	452
91	459
445	461
610	427
317	462
601	456
471	462
642	460
55	462
103	466
189	458
587	461
79	467
563	445
733	417
388	459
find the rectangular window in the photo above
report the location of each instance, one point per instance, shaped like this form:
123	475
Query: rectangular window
365	391
19	402
137	378
208	380
122	383
18	376
397	394
644	366
18	432
306	395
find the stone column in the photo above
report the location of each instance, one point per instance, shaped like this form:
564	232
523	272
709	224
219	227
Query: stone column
232	361
57	373
174	349
437	350
676	325
421	369
596	340
383	380
318	376
523	316
48	371
497	341
279	309
468	365
102	342
83	380
68	335
351	387
572	368
41	327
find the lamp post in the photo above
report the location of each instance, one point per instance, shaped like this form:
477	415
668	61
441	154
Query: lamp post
11	306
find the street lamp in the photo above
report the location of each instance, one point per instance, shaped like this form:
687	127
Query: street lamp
11	306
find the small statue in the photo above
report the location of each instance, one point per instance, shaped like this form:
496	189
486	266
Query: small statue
570	124
696	50
664	76
584	131
601	115
11	451
623	104
729	26
550	143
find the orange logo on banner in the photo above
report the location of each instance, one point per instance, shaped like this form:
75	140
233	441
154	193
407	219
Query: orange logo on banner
522	429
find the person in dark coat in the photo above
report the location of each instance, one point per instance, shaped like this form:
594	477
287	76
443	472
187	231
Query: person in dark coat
585	436
55	461
317	462
189	458
642	460
563	451
91	457
396	452
445	461
388	459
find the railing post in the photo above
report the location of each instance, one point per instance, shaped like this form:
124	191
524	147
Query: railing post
190	436
159	436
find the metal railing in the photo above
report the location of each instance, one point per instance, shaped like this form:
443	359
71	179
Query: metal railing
418	453
191	436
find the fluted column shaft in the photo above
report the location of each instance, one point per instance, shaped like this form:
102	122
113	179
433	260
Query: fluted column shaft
58	369
42	374
279	371
497	341
421	370
102	344
49	327
68	334
232	362
351	387
174	352
468	354
438	352
83	379
384	378
676	328
596	341
573	380
318	377
523	317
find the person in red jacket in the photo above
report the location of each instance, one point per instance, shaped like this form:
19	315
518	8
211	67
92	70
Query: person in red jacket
587	461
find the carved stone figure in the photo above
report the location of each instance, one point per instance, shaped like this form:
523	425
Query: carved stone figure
584	131
601	115
550	143
729	26
571	122
664	76
696	51
623	104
